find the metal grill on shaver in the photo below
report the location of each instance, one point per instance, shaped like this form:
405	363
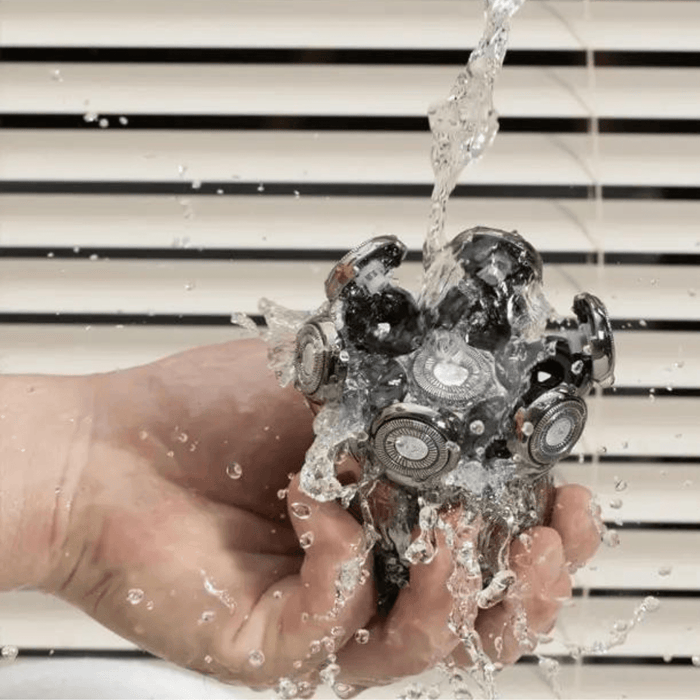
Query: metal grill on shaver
557	430
313	357
410	445
458	380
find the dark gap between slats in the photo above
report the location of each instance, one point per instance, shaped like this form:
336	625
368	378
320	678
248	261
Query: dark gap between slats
59	653
635	592
349	189
449	57
330	255
390	123
187	319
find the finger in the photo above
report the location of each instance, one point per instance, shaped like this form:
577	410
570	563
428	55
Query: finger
303	618
532	603
416	634
578	523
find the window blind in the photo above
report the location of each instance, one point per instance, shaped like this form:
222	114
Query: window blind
166	164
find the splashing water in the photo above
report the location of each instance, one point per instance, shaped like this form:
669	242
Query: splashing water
463	125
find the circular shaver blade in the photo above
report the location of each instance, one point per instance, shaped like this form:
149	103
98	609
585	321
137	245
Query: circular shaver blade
387	251
412	443
316	357
591	311
555	422
451	372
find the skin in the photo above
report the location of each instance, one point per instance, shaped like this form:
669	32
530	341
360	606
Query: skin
127	491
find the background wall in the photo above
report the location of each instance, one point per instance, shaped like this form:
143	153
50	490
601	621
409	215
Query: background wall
166	164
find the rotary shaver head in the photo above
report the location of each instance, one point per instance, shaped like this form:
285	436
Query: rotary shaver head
497	257
414	444
435	389
546	430
599	343
367	265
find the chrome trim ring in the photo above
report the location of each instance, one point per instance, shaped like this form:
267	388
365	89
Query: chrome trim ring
388	250
315	356
592	312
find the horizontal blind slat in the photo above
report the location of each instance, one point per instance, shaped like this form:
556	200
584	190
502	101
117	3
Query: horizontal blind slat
116	678
645	292
670	630
650	359
338	90
338	223
346	157
439	24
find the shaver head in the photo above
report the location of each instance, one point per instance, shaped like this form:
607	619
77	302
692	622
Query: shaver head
318	367
595	324
547	429
413	444
369	261
447	371
497	256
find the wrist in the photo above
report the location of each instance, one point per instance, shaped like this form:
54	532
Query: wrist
45	427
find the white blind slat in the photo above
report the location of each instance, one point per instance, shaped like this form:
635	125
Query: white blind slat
670	630
649	359
365	90
651	487
298	157
632	25
272	222
214	287
110	678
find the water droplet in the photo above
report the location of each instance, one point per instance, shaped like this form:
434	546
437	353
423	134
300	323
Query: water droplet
277	595
611	538
9	652
219	191
234	470
343	690
196	184
90	117
620	484
528	428
337	631
695	659
362	636
56	75
103	123
642	323
208	659
282	494
206	616
329	644
651	604
476	427
577	367
315	647
616	503
181	170
135	596
256	658
182	437
123	121
189	286
301	510
261	187
665	570
143	434
297	194
306	539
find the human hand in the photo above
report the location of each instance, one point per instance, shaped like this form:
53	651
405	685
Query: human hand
218	558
